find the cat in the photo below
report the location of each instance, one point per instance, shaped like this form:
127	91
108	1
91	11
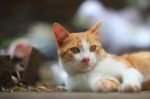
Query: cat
90	68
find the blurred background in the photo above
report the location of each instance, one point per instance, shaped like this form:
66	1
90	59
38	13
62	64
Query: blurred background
125	28
125	22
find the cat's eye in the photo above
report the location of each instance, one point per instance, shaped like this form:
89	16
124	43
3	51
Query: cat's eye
75	50
93	48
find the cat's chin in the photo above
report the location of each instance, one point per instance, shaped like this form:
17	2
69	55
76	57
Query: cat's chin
85	68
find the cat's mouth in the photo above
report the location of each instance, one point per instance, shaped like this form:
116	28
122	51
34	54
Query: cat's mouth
85	67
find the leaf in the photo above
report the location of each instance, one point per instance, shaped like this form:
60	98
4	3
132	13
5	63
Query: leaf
17	89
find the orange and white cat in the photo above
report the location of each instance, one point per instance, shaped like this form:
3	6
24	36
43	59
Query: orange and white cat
89	68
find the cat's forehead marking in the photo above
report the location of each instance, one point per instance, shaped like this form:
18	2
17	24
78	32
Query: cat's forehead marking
85	44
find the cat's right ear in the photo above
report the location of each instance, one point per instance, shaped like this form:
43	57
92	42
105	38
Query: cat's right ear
96	28
60	34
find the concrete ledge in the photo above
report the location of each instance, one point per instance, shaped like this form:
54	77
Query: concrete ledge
33	95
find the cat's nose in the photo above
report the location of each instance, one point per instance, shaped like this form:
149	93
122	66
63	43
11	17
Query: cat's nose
86	60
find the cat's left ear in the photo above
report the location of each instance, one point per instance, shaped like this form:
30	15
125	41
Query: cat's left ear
96	28
60	34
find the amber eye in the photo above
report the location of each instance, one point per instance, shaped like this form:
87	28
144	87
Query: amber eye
93	48
75	50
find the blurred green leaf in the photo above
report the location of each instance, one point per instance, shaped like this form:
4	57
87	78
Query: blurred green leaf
5	43
131	2
17	89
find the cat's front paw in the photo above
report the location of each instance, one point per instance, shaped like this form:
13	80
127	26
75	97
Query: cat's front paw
129	88
107	85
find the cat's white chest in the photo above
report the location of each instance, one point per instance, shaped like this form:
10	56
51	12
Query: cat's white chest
110	67
79	82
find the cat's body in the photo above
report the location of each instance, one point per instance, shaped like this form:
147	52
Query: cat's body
90	68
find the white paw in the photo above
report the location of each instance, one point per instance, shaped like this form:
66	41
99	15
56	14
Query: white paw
107	85
129	88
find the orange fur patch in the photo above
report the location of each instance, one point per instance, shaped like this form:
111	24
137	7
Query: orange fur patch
140	61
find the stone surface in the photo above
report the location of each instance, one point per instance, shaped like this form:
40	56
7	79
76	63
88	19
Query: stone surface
142	95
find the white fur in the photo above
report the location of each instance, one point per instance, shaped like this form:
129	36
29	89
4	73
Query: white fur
58	74
106	69
119	70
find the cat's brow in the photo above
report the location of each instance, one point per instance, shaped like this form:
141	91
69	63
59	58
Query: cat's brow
85	44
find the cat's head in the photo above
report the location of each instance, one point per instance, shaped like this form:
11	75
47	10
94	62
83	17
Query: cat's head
78	52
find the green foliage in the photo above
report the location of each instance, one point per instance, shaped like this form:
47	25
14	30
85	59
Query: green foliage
131	2
7	41
17	89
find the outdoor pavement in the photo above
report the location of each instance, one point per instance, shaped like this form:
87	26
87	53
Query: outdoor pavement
65	95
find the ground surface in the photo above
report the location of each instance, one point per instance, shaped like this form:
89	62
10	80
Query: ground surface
65	95
42	91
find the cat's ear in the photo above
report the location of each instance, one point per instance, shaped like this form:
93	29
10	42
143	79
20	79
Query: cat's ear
96	28
60	34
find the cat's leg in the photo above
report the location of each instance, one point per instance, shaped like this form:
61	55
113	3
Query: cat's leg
103	84
107	85
131	81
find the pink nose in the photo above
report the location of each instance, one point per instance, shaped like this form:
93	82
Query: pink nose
86	60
